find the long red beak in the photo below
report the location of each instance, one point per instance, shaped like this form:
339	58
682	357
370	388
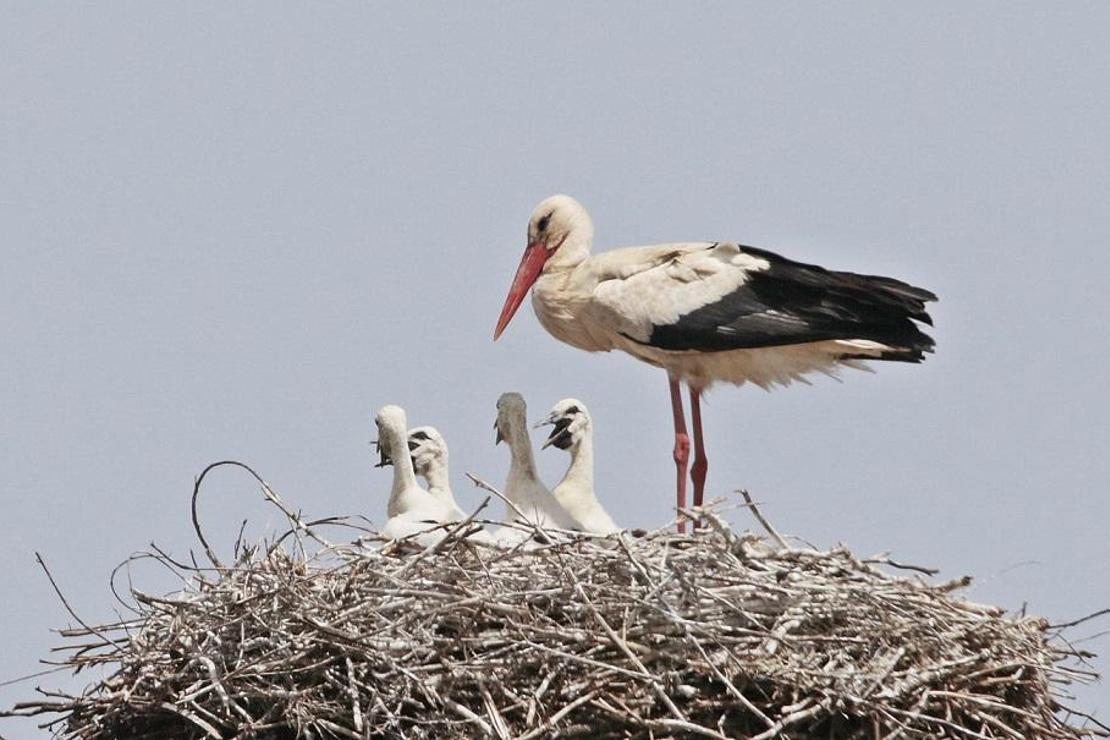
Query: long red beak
531	264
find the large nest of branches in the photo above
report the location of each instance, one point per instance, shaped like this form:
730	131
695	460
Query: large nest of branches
719	634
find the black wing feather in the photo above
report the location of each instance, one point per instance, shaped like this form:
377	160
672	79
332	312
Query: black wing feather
793	303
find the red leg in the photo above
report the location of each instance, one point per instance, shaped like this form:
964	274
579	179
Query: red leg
701	464
681	445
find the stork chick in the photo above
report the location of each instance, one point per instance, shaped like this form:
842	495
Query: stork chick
572	430
523	487
411	509
428	450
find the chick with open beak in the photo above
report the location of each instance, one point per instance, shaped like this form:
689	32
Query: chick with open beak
572	430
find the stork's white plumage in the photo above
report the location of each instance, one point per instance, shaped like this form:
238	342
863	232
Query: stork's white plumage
572	430
412	511
708	312
523	486
429	454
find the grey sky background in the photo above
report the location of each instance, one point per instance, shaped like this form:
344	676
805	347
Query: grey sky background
235	230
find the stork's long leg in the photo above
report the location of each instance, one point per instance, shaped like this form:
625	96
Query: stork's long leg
681	445
701	463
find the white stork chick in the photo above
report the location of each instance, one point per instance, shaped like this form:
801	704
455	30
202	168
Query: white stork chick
708	312
411	509
523	486
572	430
428	450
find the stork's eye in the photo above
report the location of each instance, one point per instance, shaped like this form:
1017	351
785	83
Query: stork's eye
572	410
420	435
541	225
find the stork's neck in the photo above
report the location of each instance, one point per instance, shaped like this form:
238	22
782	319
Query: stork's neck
404	478
523	464
581	470
437	477
574	250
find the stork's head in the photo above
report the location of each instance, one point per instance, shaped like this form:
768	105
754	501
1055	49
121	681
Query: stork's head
556	219
569	421
559	231
428	448
391	423
512	413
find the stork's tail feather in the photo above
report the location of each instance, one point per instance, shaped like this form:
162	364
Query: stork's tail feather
898	342
894	355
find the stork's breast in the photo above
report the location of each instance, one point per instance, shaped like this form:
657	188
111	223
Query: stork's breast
566	317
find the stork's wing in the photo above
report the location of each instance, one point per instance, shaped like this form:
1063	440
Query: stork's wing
716	297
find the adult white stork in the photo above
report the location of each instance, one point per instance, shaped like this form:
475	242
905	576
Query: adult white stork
573	430
707	312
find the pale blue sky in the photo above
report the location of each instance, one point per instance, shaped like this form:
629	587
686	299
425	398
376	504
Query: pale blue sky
235	230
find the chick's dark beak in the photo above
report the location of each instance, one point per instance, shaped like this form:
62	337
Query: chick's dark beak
560	436
499	439
383	458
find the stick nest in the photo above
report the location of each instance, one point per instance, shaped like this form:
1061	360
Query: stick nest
718	635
